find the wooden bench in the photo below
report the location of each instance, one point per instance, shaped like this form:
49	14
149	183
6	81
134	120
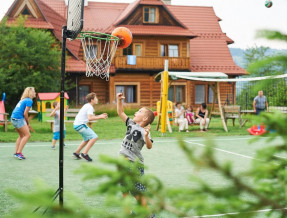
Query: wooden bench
4	121
233	112
70	113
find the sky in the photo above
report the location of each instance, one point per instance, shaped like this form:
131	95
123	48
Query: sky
240	18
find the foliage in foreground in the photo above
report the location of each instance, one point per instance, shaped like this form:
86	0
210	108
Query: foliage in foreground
261	187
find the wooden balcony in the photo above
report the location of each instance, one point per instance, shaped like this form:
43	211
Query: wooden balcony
153	63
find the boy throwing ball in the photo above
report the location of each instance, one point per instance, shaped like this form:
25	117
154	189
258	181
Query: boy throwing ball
137	136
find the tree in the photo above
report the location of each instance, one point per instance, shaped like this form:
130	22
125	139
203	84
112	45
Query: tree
28	57
260	61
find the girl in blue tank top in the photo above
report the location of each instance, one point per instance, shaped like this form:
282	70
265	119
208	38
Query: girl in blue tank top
19	119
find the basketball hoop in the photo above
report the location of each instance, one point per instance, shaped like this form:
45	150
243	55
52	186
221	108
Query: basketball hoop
99	50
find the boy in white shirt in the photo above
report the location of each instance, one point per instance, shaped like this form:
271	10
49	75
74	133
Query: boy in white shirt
85	115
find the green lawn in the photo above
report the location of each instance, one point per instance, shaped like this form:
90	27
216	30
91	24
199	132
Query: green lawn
165	160
114	128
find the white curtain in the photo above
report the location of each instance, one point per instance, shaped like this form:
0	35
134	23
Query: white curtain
130	94
199	94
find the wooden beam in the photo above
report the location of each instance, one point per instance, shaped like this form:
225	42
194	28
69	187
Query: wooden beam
220	108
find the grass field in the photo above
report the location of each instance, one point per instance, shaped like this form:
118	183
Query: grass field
114	128
165	160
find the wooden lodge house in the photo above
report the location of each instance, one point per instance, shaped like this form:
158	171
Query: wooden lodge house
190	37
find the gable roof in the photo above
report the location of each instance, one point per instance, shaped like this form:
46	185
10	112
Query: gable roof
208	51
131	7
50	96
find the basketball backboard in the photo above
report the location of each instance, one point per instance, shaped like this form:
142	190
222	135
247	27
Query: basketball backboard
75	18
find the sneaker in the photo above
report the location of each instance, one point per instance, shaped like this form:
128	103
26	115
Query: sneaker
15	155
86	157
19	156
77	156
22	156
53	147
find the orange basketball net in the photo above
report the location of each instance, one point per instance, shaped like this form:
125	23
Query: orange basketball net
99	50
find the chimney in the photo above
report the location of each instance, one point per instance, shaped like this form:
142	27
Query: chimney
167	2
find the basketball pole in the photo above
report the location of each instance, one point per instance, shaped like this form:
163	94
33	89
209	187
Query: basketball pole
62	96
60	190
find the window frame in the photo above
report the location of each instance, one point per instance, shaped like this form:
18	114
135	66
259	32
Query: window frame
174	91
156	17
88	85
134	48
131	46
137	84
167	49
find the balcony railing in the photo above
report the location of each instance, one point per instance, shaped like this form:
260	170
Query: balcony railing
153	63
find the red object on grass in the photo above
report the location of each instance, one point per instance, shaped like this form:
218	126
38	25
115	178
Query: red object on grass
254	130
155	113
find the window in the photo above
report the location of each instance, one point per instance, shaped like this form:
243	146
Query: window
26	11
199	94
173	50
210	95
163	50
91	52
129	91
150	15
176	93
83	91
168	50
128	50
138	49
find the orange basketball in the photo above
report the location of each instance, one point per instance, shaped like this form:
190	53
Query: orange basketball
125	36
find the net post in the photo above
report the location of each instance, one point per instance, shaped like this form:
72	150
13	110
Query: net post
164	98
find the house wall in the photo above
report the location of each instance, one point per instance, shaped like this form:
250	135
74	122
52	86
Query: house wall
147	89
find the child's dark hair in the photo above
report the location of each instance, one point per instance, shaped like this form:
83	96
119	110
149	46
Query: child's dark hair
91	96
203	105
177	103
150	115
55	104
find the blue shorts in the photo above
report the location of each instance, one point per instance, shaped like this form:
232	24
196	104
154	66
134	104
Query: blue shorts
56	135
18	123
86	132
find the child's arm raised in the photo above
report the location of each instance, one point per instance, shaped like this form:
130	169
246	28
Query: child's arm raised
147	139
53	113
120	108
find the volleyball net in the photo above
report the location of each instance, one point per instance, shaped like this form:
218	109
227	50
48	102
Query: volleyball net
238	91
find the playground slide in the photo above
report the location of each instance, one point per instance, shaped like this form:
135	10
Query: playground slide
2	107
2	110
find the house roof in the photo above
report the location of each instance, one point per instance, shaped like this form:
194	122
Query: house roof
33	22
75	66
208	51
158	30
50	96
